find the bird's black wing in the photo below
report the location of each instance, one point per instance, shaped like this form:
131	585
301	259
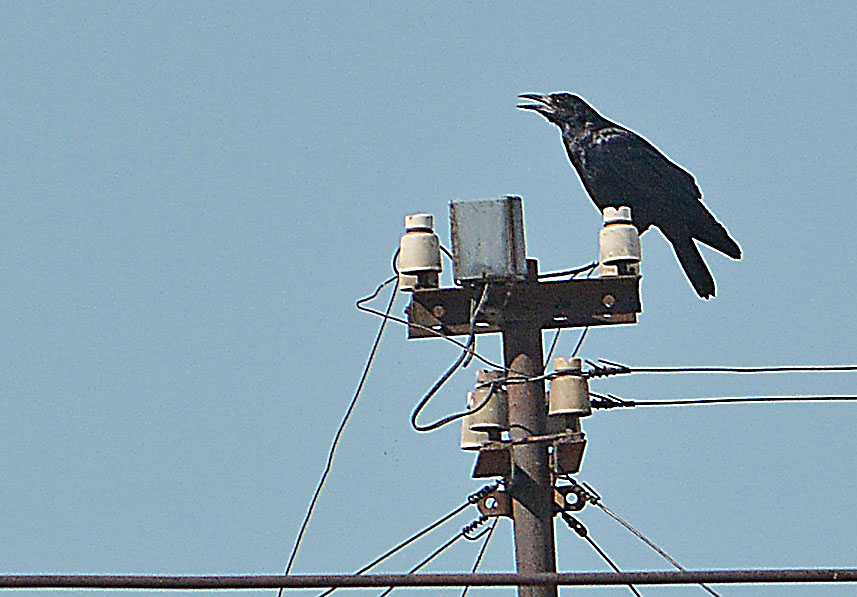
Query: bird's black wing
622	168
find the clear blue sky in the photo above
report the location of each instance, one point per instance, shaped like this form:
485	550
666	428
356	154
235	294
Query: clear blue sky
195	193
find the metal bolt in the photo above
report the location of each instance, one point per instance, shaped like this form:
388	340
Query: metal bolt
608	301
438	311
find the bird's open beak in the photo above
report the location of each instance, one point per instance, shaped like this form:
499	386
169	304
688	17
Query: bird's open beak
544	105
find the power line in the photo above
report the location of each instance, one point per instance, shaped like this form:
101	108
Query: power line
430	330
578	527
467	352
589	494
429	558
569	272
481	552
608	401
604	367
471	499
344	421
580	342
321	581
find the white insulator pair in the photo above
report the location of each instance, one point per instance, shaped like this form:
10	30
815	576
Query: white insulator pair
490	420
618	243
419	254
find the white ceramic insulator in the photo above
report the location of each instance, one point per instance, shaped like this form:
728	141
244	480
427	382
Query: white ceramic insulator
495	414
419	248
618	240
569	391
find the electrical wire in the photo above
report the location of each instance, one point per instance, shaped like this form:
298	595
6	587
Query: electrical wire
430	330
343	423
474	314
407	542
580	342
428	559
569	272
591	496
550	352
450	418
481	553
621	369
742	400
577	526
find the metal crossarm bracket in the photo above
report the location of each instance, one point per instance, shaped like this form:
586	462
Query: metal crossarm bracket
541	305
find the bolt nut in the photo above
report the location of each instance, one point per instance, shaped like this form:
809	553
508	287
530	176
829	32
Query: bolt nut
608	301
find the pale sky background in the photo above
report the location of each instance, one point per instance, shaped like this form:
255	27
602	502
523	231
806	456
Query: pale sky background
196	193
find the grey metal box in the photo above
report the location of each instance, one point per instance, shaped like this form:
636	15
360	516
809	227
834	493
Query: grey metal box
488	239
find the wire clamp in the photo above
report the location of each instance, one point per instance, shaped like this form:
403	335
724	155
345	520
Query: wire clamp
608	401
574	524
605	368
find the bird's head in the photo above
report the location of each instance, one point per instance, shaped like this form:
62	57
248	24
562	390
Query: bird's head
565	110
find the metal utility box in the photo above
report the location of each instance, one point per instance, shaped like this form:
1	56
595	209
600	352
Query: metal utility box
488	239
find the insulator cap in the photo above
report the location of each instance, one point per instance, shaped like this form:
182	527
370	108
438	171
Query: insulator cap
569	391
419	222
619	242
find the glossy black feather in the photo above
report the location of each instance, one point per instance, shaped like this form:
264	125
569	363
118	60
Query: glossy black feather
619	167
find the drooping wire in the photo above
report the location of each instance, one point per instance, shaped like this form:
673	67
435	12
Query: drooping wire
454	417
474	314
577	526
481	553
343	423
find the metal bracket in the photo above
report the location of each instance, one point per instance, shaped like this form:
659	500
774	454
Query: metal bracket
543	305
567	453
562	493
493	460
496	503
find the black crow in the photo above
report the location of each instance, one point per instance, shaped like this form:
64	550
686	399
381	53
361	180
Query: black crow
619	167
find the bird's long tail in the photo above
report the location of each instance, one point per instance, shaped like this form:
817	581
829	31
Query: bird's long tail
694	266
707	229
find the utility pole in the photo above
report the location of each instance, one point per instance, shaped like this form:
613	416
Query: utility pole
530	485
488	245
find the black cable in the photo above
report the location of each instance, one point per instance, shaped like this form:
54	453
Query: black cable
742	400
456	416
591	496
343	423
408	541
432	556
433	331
569	272
550	352
718	369
481	553
580	342
474	314
608	401
577	526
